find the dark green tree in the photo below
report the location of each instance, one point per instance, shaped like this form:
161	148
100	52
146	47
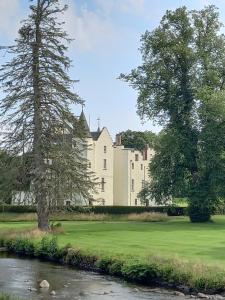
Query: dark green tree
138	139
38	94
179	86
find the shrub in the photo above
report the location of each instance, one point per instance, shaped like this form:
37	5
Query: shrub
199	213
173	210
47	248
79	259
142	273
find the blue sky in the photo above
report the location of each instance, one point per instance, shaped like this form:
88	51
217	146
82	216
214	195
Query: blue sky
107	34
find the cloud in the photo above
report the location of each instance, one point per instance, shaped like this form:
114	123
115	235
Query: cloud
90	29
10	17
136	7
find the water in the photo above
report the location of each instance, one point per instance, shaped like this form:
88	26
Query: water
21	277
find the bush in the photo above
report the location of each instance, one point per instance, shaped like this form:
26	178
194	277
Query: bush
173	210
47	248
199	213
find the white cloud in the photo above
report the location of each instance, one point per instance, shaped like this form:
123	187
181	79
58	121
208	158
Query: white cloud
90	29
10	17
124	6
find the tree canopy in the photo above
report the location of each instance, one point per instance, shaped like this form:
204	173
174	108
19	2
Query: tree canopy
138	139
180	86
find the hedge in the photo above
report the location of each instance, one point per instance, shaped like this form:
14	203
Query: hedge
114	210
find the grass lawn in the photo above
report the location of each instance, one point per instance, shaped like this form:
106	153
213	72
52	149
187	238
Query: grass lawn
177	237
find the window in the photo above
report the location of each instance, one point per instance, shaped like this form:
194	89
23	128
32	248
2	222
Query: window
132	185
132	165
105	149
103	185
141	167
67	203
89	164
104	164
136	157
135	201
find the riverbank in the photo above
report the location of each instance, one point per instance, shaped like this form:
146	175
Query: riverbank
161	272
22	277
175	253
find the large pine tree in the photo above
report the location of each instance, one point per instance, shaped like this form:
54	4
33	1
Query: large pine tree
38	94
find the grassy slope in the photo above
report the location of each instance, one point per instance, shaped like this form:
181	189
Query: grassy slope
175	238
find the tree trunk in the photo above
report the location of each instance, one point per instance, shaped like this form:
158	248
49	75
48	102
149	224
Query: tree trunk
39	167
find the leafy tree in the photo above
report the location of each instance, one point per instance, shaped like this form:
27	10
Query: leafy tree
138	139
38	94
181	85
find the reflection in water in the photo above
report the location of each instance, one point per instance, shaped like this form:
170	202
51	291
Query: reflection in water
20	277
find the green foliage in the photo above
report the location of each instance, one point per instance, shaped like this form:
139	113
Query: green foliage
158	271
199	212
138	139
112	210
47	248
14	174
18	208
180	85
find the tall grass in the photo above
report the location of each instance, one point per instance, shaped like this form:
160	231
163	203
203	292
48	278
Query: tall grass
147	217
71	216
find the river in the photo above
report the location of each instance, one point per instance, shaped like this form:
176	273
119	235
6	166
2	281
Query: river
20	277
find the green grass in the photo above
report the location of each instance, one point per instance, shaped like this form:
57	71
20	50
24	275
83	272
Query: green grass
176	238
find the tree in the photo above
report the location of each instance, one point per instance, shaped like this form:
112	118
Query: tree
38	94
179	85
138	140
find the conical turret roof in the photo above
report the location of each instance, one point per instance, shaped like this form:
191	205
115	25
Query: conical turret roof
84	123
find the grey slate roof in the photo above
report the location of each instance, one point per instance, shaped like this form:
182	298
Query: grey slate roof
85	124
95	135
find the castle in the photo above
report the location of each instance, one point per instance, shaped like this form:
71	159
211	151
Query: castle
121	172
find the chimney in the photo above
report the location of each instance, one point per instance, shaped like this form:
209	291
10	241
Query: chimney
145	152
119	139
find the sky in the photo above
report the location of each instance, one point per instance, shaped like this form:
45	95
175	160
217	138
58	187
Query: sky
106	37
